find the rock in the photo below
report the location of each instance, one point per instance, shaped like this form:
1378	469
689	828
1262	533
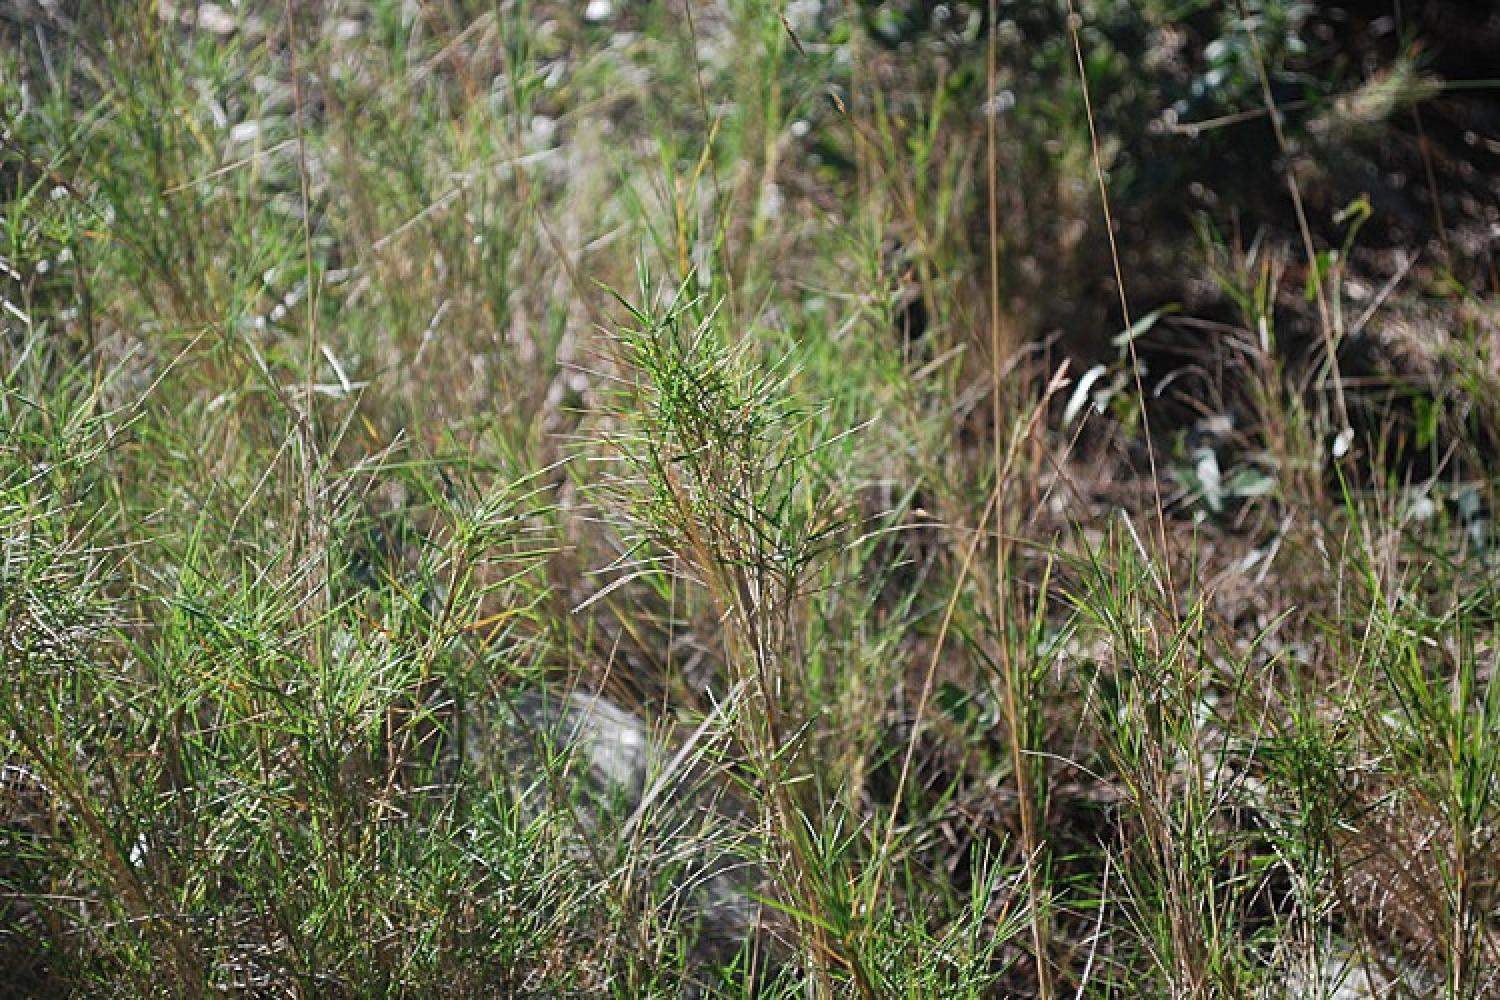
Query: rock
639	798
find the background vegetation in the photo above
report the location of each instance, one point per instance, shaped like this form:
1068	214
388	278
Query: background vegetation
1029	465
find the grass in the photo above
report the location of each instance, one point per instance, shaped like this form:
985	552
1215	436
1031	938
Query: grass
366	374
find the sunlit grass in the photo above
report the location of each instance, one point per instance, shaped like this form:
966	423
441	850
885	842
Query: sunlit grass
376	386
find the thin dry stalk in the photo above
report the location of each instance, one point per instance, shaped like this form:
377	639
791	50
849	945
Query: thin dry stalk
1325	316
1074	23
1031	840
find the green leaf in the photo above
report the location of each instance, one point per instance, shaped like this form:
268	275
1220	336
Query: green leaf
1323	263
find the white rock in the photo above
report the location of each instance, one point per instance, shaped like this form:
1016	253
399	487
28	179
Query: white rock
216	20
244	133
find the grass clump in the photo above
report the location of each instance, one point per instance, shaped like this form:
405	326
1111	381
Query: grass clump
546	499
